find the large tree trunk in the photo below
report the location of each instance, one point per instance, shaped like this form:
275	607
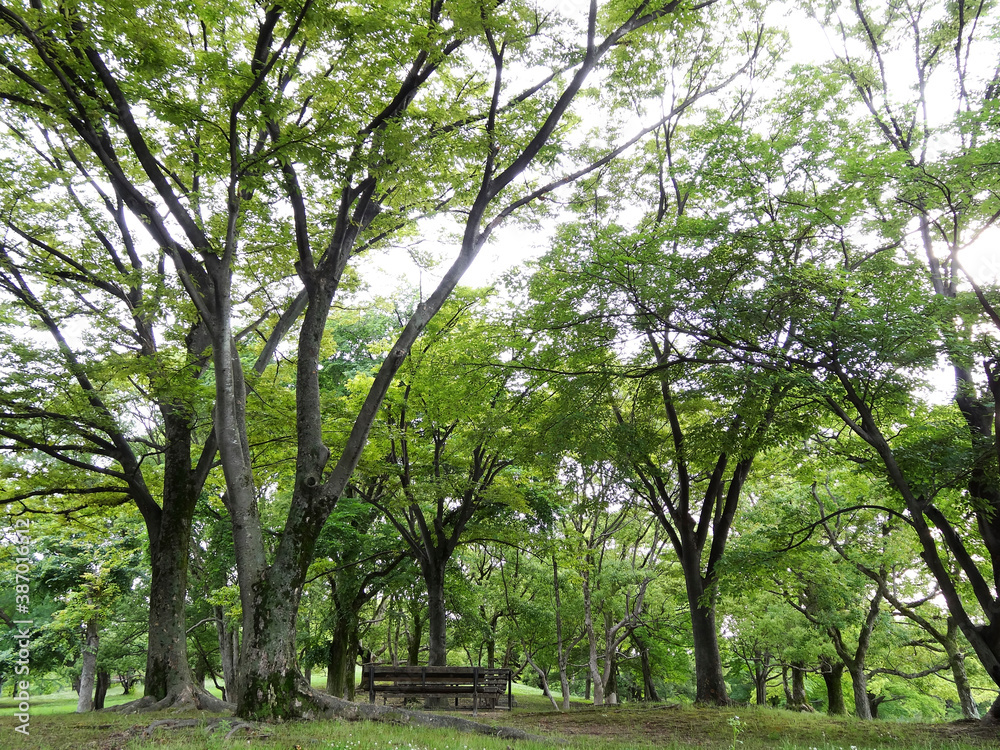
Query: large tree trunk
414	640
710	681
101	689
491	639
611	679
760	686
859	682
340	657
437	616
956	660
167	670
437	623
833	675
169	681
799	699
270	685
761	671
350	673
91	643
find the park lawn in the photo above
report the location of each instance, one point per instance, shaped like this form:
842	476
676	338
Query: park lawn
55	726
634	727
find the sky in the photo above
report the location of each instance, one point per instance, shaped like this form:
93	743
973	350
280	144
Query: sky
512	246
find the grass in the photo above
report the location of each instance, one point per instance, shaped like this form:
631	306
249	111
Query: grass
54	726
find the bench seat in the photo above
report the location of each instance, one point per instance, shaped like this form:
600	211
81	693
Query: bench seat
485	686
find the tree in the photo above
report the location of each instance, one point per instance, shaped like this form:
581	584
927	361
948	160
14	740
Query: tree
358	555
943	187
617	556
201	147
688	428
449	439
84	580
113	417
889	570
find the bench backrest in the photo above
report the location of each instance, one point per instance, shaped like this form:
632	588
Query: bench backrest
388	676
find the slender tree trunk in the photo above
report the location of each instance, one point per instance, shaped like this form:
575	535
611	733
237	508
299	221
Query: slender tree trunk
855	662
561	651
228	650
593	668
91	643
648	688
543	679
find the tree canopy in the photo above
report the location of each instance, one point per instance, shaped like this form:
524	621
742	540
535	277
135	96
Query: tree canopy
700	417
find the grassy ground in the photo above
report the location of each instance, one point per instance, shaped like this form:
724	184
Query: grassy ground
53	726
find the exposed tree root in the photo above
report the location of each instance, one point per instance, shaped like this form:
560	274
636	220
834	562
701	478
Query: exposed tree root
230	726
188	698
308	704
315	705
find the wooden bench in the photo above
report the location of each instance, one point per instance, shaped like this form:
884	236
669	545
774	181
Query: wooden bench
485	686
